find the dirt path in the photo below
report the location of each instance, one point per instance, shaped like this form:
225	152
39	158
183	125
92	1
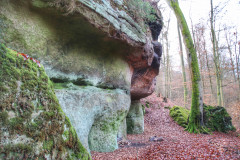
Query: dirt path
176	144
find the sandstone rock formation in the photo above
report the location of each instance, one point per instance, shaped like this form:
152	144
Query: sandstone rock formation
98	57
135	118
32	124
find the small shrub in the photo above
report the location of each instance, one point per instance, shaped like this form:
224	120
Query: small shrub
147	104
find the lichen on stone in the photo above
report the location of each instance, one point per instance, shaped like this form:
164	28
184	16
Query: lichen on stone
32	122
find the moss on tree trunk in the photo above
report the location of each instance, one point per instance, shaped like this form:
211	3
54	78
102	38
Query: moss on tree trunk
195	124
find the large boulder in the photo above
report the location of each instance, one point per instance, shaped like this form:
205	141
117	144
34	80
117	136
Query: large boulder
96	114
217	118
103	55
180	115
32	124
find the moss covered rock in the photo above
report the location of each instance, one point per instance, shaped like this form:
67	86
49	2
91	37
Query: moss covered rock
135	118
180	115
32	124
90	49
95	113
215	118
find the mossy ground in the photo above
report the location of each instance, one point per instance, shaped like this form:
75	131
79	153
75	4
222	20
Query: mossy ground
27	93
215	118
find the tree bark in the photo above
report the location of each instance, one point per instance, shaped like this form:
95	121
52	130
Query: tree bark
230	53
220	71
167	70
183	67
199	50
238	68
195	123
208	68
216	58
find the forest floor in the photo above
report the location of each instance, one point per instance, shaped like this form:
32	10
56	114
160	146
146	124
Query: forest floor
174	142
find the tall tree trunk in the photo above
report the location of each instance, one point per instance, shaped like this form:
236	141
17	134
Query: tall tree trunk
167	69
167	73
170	82
231	58
195	123
163	66
208	68
193	34
202	73
216	59
220	71
197	44
238	68
183	67
237	56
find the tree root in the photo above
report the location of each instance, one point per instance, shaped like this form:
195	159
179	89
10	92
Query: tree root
192	128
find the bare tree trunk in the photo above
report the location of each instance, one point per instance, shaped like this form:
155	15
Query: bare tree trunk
237	56
170	81
238	65
193	35
195	123
209	74
164	66
238	69
230	53
208	67
202	73
197	44
220	71
167	83
216	59
183	66
165	77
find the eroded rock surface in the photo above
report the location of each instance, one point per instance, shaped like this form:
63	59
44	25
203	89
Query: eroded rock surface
135	118
88	47
32	124
102	112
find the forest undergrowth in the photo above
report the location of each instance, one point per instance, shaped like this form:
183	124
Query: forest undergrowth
175	143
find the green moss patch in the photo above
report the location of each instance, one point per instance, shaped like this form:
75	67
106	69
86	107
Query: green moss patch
215	118
180	115
30	109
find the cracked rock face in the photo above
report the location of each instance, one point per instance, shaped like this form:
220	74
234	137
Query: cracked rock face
97	56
